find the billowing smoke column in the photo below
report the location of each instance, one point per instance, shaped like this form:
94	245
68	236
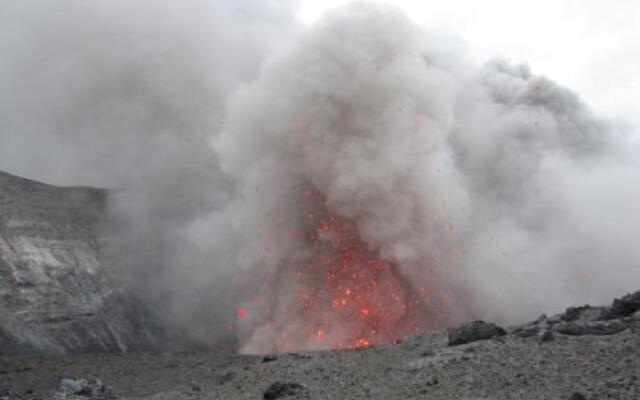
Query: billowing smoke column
341	151
384	186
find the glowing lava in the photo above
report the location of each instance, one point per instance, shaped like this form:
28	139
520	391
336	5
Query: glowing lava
335	293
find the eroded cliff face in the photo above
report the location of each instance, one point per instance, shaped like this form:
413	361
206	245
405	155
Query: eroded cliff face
57	295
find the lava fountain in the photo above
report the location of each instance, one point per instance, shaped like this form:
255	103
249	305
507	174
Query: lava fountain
338	293
346	191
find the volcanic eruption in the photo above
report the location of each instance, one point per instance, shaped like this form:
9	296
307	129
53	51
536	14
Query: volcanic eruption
367	179
345	188
337	292
383	185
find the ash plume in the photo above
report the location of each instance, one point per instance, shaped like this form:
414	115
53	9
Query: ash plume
333	187
494	193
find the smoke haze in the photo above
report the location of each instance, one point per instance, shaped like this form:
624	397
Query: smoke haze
492	192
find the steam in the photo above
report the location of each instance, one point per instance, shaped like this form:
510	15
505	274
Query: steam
494	193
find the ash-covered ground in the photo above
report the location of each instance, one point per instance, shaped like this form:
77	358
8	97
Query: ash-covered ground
584	353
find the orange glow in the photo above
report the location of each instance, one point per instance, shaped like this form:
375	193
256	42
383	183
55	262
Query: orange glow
337	292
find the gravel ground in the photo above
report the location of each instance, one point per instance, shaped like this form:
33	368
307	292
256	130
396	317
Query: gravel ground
547	359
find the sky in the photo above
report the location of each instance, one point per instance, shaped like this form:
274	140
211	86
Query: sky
591	46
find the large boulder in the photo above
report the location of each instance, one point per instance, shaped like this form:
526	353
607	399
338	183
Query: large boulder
474	331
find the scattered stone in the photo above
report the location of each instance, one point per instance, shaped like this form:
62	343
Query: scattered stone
592	328
279	390
474	331
225	377
91	388
433	382
269	358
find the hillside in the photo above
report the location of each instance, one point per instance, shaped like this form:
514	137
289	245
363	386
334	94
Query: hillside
56	293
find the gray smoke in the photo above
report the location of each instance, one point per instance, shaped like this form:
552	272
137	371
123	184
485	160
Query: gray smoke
494	185
126	94
489	185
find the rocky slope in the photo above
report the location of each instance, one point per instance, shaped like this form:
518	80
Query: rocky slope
585	353
56	294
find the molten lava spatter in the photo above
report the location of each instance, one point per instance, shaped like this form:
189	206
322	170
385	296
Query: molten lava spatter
335	293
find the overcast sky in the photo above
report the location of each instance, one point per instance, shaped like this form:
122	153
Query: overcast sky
592	46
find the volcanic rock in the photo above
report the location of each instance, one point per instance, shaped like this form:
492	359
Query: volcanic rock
474	331
58	295
623	307
590	328
546	335
84	389
583	313
527	331
279	390
225	377
269	358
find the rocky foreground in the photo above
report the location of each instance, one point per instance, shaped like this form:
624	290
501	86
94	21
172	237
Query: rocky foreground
584	353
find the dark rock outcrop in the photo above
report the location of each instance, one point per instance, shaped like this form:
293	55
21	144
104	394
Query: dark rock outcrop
623	314
474	331
601	328
623	307
279	390
57	295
